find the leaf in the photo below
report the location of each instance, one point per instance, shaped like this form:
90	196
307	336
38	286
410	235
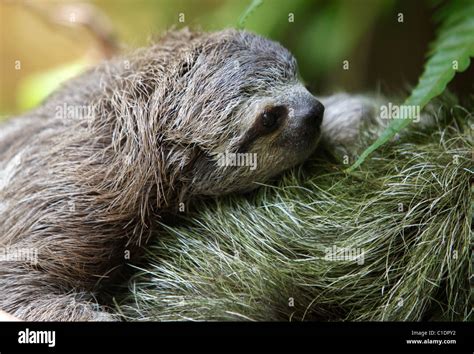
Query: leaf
450	52
36	87
248	11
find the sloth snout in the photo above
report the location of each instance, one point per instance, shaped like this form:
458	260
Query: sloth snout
312	112
315	113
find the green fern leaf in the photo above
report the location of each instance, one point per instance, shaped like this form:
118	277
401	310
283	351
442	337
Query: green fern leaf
450	53
248	11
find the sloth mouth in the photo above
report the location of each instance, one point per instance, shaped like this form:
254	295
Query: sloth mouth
301	139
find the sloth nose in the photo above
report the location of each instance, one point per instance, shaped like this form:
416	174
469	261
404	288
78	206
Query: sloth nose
313	113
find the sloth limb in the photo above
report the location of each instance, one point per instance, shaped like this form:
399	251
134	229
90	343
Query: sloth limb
349	122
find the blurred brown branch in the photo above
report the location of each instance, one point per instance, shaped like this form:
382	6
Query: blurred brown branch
79	14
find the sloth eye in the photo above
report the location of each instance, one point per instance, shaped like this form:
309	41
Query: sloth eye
269	119
267	122
272	117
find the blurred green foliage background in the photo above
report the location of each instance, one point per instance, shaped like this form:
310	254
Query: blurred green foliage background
384	42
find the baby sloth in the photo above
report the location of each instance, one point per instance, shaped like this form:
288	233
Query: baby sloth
89	174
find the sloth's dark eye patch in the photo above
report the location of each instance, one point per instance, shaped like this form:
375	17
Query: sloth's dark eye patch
268	119
267	122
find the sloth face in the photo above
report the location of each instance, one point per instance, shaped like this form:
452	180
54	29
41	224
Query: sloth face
263	120
284	129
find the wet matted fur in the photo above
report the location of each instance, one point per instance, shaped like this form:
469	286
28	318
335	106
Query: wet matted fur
390	242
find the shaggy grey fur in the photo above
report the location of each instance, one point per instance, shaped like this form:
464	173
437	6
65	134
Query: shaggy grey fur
87	176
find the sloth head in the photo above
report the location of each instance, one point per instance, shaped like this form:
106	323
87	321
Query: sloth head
233	98
239	101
